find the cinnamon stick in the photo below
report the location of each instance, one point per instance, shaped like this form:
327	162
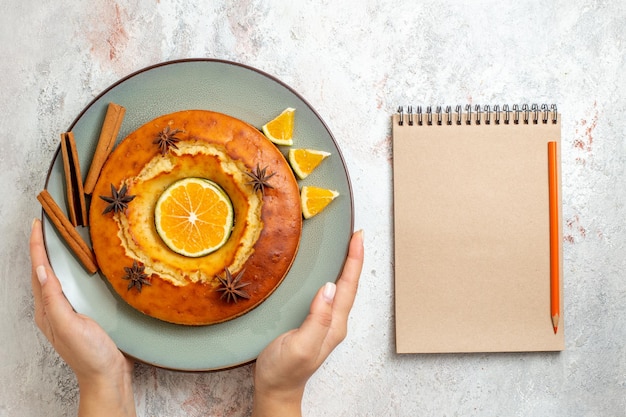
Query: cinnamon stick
77	208
76	243
108	135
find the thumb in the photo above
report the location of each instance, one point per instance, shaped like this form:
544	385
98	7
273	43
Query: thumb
51	306
313	331
53	313
54	303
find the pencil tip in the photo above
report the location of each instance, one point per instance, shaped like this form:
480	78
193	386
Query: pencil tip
555	323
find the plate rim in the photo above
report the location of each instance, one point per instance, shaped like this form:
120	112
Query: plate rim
271	77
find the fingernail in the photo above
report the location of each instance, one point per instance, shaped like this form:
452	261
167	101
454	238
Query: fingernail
42	276
329	292
33	223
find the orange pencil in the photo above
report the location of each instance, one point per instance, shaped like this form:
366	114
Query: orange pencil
555	287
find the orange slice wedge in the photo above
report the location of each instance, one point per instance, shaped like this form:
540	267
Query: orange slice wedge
194	217
280	129
304	161
315	199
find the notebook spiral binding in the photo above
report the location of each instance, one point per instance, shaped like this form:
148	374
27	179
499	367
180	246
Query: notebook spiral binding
481	114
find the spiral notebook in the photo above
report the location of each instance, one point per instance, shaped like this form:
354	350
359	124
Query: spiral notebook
474	271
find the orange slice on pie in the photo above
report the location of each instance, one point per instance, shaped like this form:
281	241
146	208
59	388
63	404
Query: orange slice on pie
194	217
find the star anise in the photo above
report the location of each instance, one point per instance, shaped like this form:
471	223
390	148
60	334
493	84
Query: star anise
118	200
231	287
167	139
136	276
259	179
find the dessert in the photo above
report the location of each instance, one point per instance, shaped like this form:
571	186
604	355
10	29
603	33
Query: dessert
217	154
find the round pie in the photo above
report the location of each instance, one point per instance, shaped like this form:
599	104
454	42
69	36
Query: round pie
266	221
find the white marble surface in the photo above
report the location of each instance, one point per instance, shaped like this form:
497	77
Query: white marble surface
355	62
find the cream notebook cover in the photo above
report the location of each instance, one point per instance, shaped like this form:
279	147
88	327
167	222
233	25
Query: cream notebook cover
472	234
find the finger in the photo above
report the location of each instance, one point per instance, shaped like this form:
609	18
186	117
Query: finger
312	333
348	282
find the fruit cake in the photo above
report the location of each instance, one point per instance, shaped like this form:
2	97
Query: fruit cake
195	218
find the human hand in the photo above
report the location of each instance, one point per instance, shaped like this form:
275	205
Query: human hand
104	374
286	364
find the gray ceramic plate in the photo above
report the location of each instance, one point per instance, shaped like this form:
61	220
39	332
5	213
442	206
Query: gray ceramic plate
247	94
